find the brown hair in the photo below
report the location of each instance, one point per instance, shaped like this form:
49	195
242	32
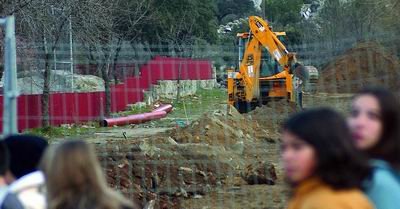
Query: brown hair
74	179
339	164
388	147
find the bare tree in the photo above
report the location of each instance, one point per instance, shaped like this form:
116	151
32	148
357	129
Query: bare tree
120	22
45	22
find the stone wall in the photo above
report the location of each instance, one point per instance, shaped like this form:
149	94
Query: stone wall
168	89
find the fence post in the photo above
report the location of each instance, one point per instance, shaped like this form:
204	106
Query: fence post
10	91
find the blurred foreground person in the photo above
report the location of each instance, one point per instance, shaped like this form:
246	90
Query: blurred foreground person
375	126
74	179
26	189
4	162
321	164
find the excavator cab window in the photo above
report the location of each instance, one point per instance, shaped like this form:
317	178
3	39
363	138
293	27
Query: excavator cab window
241	48
269	66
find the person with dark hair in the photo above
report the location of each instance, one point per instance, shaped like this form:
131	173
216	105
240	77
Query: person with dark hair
321	164
375	126
26	182
4	162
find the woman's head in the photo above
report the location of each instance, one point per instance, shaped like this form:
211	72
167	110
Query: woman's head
316	143
375	124
74	177
73	165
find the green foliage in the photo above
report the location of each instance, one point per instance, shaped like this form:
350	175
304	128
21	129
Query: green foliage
282	12
181	21
240	8
284	15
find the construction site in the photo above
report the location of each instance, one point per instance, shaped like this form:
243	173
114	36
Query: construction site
205	154
187	121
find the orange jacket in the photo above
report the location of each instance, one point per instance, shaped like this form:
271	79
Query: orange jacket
314	194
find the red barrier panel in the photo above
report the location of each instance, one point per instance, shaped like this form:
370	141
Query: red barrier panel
82	107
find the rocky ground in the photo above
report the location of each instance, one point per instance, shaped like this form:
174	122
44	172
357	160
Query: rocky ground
219	158
223	159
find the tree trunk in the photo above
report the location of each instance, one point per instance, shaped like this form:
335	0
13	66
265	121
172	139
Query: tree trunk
115	61
46	86
107	89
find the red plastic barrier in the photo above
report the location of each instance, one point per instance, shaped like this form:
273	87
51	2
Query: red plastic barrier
87	106
133	119
166	108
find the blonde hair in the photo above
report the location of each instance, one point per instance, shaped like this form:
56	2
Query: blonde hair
74	179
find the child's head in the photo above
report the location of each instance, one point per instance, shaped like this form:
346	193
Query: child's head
74	178
375	124
317	143
73	165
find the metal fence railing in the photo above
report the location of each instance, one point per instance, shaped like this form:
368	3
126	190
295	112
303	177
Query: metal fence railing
199	155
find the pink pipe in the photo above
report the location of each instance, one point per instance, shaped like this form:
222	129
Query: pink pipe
166	108
134	119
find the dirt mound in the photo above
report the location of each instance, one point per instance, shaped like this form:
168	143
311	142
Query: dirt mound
367	63
271	116
224	126
156	169
190	162
229	127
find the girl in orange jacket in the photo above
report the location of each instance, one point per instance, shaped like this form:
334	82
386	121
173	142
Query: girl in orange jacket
321	164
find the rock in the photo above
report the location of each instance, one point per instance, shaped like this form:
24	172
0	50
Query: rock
149	149
189	170
150	204
235	181
202	173
234	188
171	141
60	81
197	196
260	173
182	192
238	147
68	126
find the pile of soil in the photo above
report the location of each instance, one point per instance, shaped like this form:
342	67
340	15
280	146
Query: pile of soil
165	176
366	64
221	146
271	116
224	126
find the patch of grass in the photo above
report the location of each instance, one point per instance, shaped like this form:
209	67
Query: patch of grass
69	130
132	110
204	100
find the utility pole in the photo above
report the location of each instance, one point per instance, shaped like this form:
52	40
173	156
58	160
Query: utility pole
71	53
10	91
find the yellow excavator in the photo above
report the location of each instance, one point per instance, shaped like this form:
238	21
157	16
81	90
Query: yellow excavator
262	77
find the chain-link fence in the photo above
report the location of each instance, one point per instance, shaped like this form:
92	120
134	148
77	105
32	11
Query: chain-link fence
202	154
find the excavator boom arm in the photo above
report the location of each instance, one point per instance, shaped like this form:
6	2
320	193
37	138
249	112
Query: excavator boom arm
268	39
